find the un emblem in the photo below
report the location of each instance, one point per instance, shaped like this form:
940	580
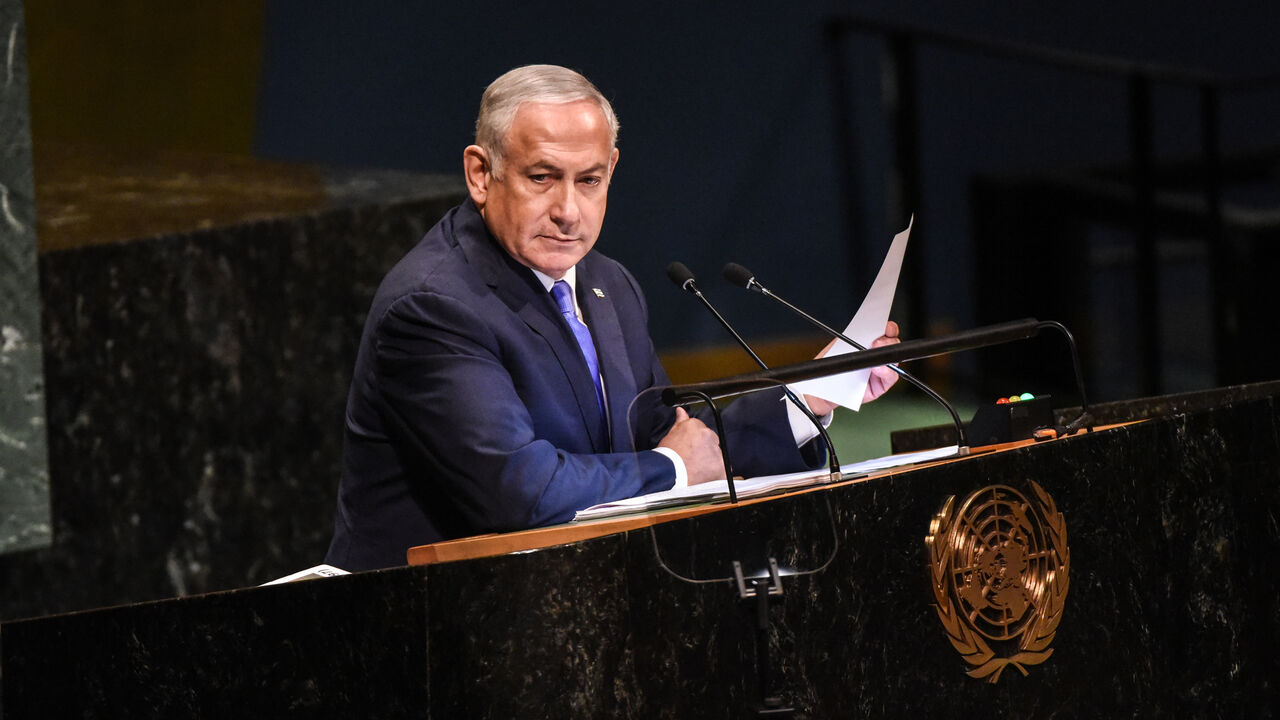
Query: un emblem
999	566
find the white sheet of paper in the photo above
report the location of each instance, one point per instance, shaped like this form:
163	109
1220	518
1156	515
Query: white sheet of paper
754	487
867	324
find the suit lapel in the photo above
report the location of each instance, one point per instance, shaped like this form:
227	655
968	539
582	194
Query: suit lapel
595	300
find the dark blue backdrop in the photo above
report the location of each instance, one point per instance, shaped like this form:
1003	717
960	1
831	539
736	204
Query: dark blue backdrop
727	134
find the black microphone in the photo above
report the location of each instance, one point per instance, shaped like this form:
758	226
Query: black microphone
683	277
742	277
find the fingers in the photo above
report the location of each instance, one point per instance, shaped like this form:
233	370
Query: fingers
889	337
697	445
882	378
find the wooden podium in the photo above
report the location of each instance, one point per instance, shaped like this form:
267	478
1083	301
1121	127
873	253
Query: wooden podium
1124	572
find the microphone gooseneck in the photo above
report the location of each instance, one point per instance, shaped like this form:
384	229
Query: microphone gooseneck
1085	418
742	277
683	278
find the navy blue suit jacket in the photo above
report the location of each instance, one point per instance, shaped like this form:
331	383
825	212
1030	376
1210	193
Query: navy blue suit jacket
471	409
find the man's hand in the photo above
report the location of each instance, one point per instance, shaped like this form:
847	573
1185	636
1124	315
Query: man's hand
697	445
882	378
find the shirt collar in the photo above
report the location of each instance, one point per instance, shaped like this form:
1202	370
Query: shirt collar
570	276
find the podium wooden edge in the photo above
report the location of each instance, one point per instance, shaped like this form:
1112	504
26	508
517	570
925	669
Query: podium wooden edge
492	544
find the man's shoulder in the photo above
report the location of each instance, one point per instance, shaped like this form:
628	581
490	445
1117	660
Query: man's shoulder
437	263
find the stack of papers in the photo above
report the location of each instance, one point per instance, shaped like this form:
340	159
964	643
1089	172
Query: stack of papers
718	491
312	573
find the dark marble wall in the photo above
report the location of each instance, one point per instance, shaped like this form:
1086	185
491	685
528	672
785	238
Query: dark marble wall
24	480
1170	611
195	388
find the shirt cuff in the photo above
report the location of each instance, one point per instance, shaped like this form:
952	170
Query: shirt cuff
682	475
801	426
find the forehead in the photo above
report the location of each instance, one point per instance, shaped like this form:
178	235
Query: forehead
560	128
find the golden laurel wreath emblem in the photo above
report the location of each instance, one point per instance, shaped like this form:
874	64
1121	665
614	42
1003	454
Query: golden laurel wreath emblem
1000	570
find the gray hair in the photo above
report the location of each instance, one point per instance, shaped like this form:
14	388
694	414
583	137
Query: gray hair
550	84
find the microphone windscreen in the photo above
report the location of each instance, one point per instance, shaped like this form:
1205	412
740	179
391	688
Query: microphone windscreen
738	275
679	274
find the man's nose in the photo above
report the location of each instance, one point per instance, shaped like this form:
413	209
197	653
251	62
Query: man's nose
564	210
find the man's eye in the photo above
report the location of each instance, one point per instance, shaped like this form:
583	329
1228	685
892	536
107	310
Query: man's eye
540	177
591	181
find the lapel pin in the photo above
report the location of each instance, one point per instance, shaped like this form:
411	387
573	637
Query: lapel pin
599	293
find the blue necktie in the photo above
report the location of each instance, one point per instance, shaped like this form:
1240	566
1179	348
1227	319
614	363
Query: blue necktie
563	295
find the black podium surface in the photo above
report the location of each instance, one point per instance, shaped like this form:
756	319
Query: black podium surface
1146	563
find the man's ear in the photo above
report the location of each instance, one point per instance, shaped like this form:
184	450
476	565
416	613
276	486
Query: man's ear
476	169
613	163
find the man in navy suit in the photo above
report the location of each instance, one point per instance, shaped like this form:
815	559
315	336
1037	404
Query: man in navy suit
486	398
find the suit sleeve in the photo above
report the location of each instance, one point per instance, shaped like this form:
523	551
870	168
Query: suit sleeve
760	438
451	401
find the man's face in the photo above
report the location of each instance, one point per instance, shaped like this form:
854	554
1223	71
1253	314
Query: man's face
547	209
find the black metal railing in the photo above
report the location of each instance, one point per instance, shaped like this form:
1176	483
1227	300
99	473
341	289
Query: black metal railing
899	73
